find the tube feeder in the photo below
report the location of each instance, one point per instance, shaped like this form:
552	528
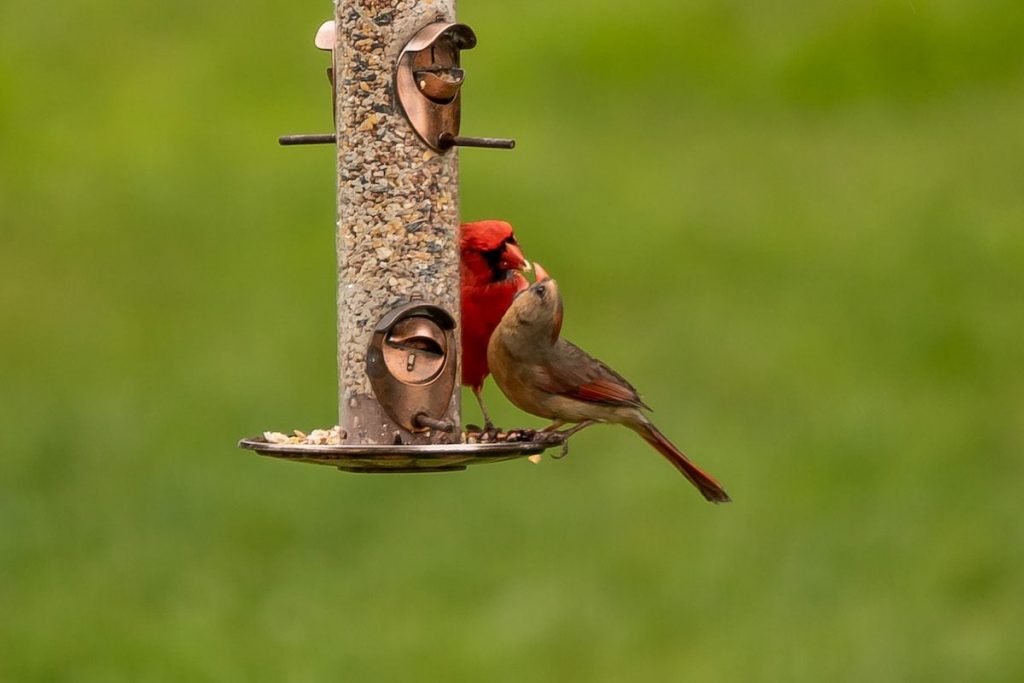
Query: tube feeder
396	81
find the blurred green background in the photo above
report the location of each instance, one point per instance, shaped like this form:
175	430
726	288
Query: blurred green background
796	228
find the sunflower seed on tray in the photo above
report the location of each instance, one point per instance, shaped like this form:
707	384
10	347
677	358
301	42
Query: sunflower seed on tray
318	437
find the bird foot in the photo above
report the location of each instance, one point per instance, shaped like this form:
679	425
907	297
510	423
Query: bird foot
488	427
492	434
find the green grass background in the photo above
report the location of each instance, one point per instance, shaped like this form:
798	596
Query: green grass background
797	227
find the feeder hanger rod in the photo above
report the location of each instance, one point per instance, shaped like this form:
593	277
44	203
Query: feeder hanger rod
446	141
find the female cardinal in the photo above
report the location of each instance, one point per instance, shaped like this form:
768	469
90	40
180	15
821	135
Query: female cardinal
491	261
547	376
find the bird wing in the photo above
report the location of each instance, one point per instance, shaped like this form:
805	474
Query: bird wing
579	375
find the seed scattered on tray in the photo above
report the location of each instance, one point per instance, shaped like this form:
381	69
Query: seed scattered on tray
474	434
318	437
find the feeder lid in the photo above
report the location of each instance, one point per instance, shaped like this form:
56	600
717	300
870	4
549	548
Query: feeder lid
464	37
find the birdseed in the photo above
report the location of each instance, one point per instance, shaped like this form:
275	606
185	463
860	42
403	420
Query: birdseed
397	232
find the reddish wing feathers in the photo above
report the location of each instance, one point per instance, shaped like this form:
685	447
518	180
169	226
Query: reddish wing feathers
603	391
585	378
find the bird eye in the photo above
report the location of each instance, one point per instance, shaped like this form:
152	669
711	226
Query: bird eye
540	291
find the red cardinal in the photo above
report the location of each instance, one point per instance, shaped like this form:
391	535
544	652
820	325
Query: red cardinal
491	265
544	374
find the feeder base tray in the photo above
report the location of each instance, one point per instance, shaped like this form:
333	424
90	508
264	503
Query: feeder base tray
404	458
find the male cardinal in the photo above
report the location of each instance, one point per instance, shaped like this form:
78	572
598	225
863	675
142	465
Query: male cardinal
547	376
491	265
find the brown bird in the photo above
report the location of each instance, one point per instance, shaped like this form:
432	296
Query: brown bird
547	376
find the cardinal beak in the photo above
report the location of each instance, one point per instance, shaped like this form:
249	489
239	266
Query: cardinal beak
512	258
540	273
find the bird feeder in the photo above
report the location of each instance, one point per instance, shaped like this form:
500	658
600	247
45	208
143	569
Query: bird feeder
396	79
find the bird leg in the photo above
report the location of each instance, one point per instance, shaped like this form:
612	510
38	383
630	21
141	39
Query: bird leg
582	425
569	432
553	426
488	425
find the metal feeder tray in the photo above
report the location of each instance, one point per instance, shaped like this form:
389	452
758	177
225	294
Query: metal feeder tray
404	458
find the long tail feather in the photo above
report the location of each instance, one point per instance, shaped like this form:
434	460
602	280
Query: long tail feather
705	483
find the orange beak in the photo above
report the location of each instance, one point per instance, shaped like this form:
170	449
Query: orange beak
512	258
540	273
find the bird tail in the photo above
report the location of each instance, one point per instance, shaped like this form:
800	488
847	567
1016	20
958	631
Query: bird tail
705	483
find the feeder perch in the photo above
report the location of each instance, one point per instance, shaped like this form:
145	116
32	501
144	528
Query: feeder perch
396	79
